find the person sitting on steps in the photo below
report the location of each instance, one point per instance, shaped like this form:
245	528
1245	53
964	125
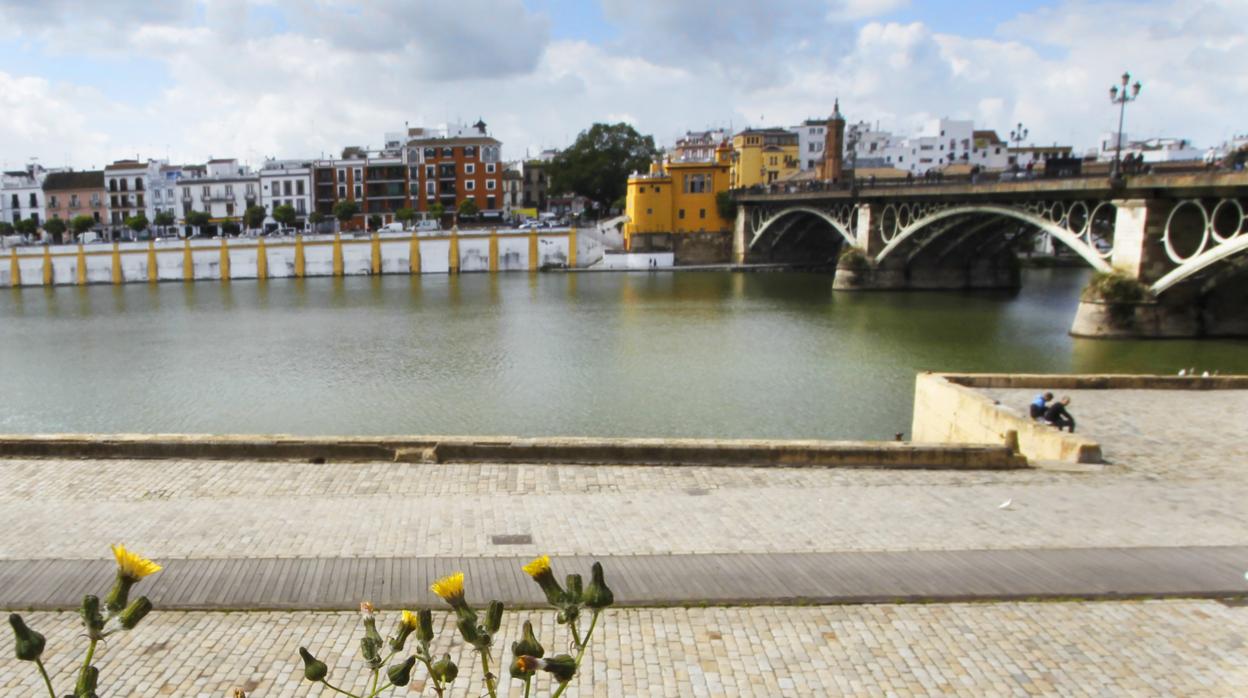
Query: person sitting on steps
1039	405
1056	415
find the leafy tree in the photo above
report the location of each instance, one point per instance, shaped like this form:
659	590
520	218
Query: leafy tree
316	218
285	215
56	228
468	208
345	210
404	216
231	228
253	217
599	162
6	228
163	220
374	222
726	204
137	223
26	227
198	220
437	210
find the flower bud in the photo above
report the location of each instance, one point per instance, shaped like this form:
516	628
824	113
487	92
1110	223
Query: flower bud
87	679
92	619
527	644
401	674
314	670
29	643
119	595
135	612
561	667
598	594
468	630
424	626
407	624
568	615
444	670
494	617
370	650
573	594
524	666
539	570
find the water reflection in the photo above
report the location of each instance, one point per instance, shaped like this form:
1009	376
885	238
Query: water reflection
630	354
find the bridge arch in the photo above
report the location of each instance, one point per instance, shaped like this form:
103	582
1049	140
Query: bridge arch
838	226
1061	233
1217	230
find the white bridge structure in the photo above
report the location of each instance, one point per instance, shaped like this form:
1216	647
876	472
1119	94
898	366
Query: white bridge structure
1182	237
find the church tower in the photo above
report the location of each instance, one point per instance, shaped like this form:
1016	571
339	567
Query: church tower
834	146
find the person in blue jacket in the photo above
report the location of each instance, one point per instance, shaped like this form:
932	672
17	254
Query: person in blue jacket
1039	405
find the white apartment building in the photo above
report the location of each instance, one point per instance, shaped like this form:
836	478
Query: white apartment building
128	184
698	146
163	184
286	183
811	135
940	144
223	189
1151	149
22	193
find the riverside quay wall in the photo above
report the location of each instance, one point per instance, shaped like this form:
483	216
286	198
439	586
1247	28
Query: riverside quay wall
297	256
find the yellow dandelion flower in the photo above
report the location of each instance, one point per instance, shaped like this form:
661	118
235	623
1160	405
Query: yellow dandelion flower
450	589
539	566
409	621
133	565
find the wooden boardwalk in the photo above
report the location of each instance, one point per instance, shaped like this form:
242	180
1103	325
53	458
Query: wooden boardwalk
651	580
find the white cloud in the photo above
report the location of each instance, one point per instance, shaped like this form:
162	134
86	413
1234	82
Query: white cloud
332	75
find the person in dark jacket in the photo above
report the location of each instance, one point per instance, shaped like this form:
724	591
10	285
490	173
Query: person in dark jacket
1056	415
1039	405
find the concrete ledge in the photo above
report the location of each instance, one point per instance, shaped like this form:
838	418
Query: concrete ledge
503	449
1094	381
947	410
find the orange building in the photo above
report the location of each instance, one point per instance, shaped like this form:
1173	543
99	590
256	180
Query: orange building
68	195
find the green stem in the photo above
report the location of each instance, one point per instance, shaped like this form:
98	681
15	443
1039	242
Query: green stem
589	632
528	683
87	662
46	680
491	684
427	661
372	691
332	687
378	692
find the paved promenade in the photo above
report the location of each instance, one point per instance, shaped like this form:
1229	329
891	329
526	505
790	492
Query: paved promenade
1160	648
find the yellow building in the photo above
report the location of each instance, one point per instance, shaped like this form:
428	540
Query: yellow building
676	198
763	156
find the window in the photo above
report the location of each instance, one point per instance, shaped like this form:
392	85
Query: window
697	183
359	192
431	188
342	175
448	152
342	191
490	184
207	191
470	185
112	185
701	213
299	206
52	201
429	172
286	188
470	151
123	184
490	167
358	174
140	202
299	187
649	212
489	202
431	153
470	168
138	184
229	190
681	214
113	202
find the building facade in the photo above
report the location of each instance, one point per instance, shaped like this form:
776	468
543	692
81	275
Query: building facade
457	165
128	183
811	135
68	195
832	166
286	183
22	192
223	189
763	156
698	146
676	198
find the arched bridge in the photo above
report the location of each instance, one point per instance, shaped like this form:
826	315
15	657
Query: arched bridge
1182	237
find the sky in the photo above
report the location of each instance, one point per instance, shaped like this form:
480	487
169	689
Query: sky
83	82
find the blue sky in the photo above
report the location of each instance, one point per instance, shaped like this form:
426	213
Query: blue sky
292	78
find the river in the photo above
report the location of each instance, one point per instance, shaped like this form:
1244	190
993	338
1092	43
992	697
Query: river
604	354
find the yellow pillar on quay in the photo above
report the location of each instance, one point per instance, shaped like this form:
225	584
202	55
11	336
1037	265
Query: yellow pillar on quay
337	254
454	253
299	256
262	260
225	260
376	254
47	265
493	251
533	260
15	269
572	248
188	261
117	276
82	265
413	262
152	276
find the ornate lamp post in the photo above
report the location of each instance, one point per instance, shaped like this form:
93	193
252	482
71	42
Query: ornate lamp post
1017	136
1128	93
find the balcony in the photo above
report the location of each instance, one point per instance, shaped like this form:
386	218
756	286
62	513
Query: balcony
218	197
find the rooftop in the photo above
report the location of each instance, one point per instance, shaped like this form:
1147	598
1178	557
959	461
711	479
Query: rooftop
63	181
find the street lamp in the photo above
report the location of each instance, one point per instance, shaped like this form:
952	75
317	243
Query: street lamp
1121	97
1016	137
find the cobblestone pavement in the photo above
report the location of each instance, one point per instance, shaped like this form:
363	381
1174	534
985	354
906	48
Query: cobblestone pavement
1180	479
1172	648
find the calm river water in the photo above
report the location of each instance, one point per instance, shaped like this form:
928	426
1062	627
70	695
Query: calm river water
641	354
